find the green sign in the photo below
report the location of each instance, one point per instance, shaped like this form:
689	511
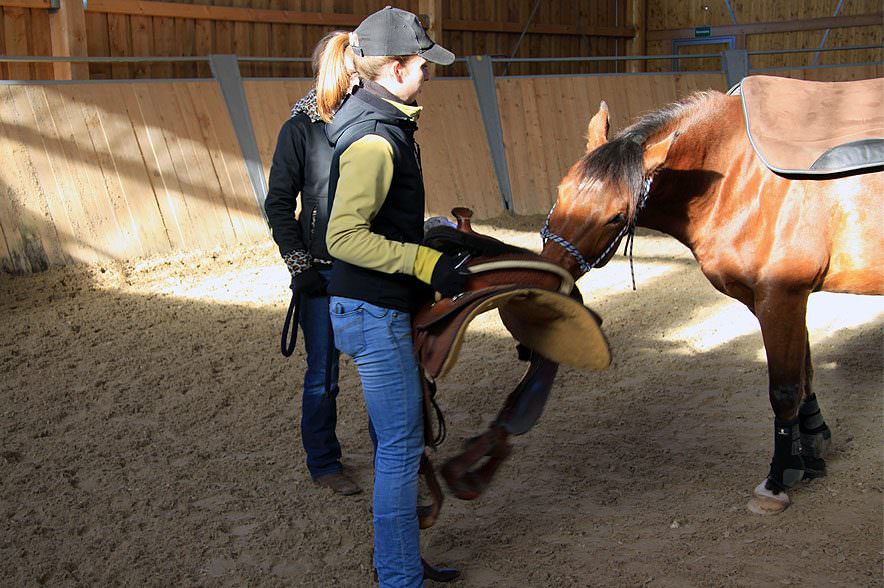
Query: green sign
702	31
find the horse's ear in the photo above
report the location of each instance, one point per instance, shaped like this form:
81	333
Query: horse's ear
656	153
597	131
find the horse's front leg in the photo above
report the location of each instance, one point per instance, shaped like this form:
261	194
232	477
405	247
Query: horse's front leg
782	316
815	434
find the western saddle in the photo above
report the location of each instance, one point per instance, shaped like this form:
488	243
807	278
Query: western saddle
540	307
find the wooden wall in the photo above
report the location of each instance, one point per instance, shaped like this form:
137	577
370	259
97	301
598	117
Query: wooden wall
676	14
119	170
107	170
544	122
24	31
126	28
97	171
492	27
579	14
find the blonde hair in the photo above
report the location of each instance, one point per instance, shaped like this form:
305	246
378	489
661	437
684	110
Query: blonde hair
331	59
320	48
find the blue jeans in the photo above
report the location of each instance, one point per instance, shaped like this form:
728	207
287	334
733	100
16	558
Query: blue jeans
319	411
379	341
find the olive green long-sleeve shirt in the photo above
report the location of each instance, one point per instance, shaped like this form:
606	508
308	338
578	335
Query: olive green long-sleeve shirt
365	175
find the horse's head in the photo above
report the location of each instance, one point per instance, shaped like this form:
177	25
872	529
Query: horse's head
598	198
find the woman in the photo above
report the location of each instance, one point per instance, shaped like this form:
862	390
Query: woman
300	166
380	270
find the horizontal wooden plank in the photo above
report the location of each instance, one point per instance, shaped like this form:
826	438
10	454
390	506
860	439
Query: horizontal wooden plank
203	12
228	13
483	26
807	24
26	4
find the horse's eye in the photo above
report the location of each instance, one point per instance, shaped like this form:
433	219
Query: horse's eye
617	219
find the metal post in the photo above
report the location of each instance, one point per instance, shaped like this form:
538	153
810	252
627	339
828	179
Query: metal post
482	75
225	68
735	63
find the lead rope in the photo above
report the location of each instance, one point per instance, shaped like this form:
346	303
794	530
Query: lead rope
630	237
286	344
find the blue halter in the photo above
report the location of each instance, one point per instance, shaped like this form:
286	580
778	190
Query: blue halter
628	229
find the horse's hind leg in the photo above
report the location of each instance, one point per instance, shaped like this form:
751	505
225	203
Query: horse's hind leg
783	327
815	434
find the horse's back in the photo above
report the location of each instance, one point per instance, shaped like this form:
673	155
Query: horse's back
828	234
857	235
818	234
831	227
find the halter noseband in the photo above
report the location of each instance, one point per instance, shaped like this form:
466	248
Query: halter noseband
547	235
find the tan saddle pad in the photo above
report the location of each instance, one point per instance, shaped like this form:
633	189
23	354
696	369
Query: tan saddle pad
799	127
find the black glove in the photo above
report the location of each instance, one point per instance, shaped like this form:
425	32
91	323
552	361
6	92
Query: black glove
448	279
309	283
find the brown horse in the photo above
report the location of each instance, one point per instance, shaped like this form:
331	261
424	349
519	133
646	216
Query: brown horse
689	170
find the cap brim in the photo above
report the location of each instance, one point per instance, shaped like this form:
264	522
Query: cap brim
438	54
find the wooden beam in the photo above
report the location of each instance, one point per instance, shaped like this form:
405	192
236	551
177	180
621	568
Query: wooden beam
15	39
807	24
205	12
226	13
67	30
636	14
483	26
430	12
26	4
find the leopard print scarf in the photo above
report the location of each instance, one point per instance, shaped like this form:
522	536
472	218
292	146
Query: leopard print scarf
307	105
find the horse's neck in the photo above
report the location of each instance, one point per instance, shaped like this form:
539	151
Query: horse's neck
687	186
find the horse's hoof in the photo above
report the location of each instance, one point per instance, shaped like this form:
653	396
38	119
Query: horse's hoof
765	502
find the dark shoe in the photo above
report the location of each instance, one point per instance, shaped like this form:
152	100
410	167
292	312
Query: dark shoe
339	483
439	574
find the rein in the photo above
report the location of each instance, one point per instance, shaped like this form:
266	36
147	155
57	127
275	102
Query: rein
628	229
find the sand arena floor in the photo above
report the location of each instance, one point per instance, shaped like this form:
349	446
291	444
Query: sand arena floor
149	438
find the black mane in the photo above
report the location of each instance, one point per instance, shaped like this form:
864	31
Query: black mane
621	159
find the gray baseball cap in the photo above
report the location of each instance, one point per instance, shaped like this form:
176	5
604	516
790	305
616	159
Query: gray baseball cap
394	32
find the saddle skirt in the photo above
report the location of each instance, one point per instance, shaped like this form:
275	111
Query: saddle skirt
805	128
532	296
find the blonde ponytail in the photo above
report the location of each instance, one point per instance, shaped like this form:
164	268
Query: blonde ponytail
334	64
330	61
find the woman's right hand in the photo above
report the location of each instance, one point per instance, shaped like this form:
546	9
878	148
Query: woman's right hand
443	271
449	278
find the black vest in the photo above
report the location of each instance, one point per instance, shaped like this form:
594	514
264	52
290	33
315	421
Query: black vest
400	218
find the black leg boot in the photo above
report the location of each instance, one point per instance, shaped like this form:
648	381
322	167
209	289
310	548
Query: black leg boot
815	438
787	466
